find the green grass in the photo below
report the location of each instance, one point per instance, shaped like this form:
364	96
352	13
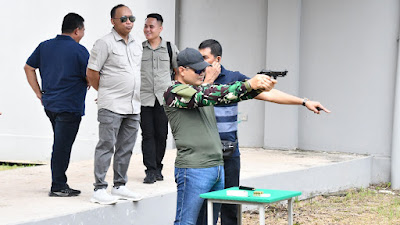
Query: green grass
367	206
11	166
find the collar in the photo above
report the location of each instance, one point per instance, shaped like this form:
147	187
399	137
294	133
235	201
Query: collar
119	38
64	37
223	72
163	44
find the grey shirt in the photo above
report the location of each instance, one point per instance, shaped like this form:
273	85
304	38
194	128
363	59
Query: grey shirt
156	72
119	66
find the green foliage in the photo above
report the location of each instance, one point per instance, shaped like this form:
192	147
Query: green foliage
10	166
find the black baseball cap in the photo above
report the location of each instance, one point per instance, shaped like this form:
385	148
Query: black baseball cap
192	58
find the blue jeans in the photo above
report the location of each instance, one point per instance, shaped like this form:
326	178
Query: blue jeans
65	127
191	182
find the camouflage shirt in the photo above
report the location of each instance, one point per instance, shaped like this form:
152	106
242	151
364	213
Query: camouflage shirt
190	113
189	96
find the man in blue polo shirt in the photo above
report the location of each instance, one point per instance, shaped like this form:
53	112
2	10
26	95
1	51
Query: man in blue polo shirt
62	64
226	116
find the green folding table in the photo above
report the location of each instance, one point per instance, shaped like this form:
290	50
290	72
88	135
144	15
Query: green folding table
275	196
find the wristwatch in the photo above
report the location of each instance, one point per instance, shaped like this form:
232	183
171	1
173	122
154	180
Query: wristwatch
304	101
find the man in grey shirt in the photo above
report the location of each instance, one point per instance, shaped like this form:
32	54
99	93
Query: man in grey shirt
155	79
114	71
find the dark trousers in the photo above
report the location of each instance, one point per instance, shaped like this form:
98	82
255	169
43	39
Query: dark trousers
154	124
232	175
65	127
228	211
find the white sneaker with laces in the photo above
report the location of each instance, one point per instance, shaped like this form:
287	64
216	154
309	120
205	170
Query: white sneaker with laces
102	197
124	193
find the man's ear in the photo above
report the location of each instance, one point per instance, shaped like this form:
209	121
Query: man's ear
219	59
112	21
181	70
76	31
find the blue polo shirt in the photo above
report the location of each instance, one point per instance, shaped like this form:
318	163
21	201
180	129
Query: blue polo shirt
226	115
62	64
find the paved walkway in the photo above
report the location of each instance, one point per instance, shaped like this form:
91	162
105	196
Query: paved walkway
23	192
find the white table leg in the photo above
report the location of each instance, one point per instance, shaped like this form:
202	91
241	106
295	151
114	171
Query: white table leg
290	211
210	212
239	214
261	211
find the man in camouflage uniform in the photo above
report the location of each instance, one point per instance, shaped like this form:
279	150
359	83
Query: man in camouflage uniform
188	105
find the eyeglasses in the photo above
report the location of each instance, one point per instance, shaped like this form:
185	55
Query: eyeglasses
125	18
199	72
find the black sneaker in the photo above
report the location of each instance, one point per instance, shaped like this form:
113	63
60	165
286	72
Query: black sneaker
150	177
67	192
159	176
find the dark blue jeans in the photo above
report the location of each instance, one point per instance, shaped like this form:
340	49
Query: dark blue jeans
232	175
65	127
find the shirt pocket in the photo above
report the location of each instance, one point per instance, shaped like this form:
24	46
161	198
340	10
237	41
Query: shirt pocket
118	58
164	64
146	62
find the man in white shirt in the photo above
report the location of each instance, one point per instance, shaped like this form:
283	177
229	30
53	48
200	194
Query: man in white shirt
114	70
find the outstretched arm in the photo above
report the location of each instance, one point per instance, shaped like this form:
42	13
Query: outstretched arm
281	97
188	96
32	80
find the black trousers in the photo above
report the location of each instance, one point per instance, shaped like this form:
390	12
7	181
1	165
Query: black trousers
65	127
154	125
232	175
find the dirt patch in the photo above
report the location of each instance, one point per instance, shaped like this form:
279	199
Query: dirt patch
374	205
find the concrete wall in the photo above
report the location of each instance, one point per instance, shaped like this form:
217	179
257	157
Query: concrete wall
348	60
25	132
241	29
342	53
283	41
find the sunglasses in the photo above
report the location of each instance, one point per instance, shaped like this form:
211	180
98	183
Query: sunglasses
196	71
125	18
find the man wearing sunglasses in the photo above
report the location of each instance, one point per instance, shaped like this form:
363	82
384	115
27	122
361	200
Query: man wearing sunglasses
155	79
188	104
114	71
62	64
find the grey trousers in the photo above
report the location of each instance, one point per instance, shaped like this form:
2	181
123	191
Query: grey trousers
117	132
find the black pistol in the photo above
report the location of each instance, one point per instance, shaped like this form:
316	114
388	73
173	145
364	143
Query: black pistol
273	74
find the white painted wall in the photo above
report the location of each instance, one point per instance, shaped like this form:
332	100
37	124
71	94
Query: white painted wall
348	61
25	132
342	53
283	48
241	28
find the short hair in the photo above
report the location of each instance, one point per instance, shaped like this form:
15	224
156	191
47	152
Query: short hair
114	9
156	16
71	22
214	45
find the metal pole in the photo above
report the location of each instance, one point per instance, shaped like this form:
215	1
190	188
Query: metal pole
395	167
290	211
210	212
261	212
239	214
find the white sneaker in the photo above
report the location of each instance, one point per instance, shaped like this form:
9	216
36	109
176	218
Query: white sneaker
124	193
102	197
